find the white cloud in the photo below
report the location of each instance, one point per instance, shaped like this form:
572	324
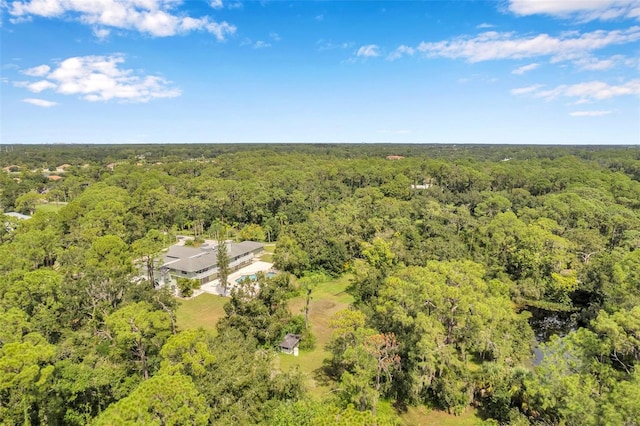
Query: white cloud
216	4
40	71
274	36
99	78
591	63
261	44
368	51
400	52
589	113
220	30
493	45
153	17
525	68
484	25
584	10
40	102
319	18
327	45
36	87
526	90
584	92
101	33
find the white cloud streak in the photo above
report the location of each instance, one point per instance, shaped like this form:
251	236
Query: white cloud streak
261	44
153	17
40	102
525	68
526	90
368	51
101	33
324	45
39	71
585	92
401	51
493	45
100	78
589	113
583	10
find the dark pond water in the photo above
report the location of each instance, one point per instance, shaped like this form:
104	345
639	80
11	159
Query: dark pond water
548	323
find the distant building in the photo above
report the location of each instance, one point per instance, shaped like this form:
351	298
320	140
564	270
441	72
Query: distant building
394	157
201	263
11	168
421	186
17	215
54	177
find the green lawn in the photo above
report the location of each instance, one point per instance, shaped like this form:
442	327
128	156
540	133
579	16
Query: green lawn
206	309
202	311
330	297
326	300
423	416
50	207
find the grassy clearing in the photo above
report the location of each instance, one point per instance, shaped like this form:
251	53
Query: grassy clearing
202	311
269	249
50	207
423	416
327	299
330	297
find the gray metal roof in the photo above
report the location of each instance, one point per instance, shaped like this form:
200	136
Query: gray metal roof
17	215
290	341
192	259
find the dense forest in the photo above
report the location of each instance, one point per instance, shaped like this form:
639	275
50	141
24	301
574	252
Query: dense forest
504	279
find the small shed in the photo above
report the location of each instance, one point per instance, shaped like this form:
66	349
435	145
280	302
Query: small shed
290	344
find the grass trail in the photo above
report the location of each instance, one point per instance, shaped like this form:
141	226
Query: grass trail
326	300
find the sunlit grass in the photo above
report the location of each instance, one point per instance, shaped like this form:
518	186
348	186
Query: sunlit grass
424	416
202	311
50	207
327	299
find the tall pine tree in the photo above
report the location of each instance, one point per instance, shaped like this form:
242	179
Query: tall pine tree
223	264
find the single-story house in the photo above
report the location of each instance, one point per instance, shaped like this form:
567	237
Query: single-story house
201	263
290	344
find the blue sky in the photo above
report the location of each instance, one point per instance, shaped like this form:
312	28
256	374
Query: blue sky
173	71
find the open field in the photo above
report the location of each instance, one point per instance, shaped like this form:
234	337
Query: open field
423	416
50	207
206	309
267	256
327	299
202	311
